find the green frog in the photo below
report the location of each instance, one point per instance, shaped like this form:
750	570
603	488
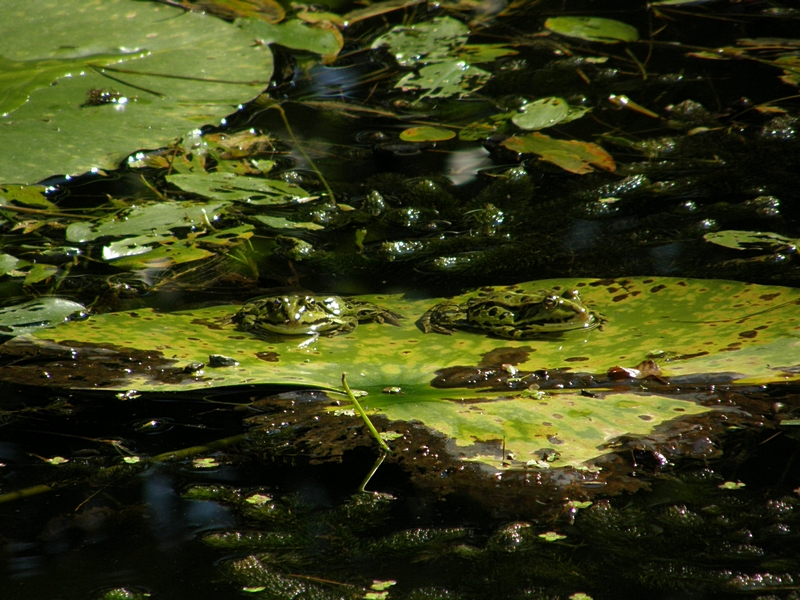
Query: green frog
309	315
512	314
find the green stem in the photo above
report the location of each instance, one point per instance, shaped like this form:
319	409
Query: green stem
364	416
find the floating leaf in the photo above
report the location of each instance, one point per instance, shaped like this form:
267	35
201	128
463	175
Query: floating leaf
39	273
573	156
475	53
36	314
164	256
156	217
140	244
698	331
229	186
426	134
431	41
376	9
541	113
281	223
750	240
593	29
295	34
444	79
10	263
26	195
731	485
266	10
189	69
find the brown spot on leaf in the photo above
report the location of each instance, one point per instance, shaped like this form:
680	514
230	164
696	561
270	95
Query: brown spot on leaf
748	334
268	356
657	288
768	297
505	356
645	417
619	298
576	359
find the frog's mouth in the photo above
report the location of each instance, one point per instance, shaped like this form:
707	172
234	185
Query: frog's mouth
296	325
565	318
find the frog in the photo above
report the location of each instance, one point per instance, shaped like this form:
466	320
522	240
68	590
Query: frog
513	314
312	315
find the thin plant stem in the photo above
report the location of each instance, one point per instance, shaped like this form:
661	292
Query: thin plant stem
364	416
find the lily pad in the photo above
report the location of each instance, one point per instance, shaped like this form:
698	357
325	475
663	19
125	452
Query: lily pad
36	314
541	113
175	71
570	155
229	186
148	219
750	240
691	327
426	134
593	29
471	387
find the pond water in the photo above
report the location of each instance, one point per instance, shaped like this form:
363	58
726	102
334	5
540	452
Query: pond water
256	490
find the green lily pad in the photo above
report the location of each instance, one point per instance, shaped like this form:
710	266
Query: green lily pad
750	240
229	186
147	219
593	29
431	41
689	327
172	71
541	113
294	34
471	387
426	134
36	314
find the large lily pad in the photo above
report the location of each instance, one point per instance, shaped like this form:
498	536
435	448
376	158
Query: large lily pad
689	327
176	70
471	387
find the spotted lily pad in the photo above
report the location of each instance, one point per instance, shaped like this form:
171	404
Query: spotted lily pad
476	389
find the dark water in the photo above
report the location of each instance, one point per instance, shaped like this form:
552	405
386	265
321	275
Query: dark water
668	531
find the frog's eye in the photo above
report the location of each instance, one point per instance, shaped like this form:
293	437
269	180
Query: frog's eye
310	300
550	302
277	302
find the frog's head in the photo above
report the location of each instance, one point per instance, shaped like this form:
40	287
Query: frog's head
557	313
